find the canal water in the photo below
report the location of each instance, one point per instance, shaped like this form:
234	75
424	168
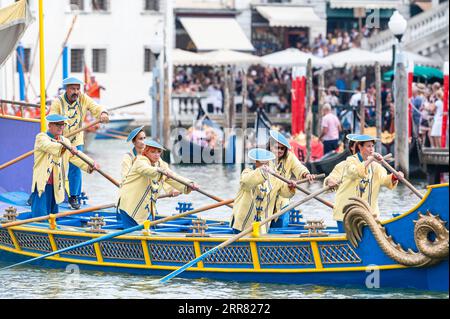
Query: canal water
222	181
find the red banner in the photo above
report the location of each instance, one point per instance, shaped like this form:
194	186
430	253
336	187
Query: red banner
301	100
445	116
294	105
410	123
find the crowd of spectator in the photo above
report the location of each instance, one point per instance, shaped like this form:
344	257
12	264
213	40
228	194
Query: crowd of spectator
428	112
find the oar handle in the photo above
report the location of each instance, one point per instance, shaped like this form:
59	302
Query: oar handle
323	201
402	179
78	154
175	178
59	215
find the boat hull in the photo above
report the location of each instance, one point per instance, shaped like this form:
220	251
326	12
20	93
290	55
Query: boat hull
275	258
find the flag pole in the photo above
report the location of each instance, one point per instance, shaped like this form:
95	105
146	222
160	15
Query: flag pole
42	65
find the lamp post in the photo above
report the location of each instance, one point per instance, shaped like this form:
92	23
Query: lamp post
155	48
397	25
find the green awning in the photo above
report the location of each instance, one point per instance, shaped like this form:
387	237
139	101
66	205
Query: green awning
420	71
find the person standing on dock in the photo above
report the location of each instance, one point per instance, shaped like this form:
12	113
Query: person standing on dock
141	187
362	177
258	192
287	165
75	106
50	166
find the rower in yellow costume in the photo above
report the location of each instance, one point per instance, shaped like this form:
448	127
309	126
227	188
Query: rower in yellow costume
137	137
287	165
50	166
363	177
258	192
337	174
142	185
75	106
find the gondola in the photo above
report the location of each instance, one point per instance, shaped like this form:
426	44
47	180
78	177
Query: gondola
193	146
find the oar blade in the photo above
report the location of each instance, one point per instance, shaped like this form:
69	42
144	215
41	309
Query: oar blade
189	264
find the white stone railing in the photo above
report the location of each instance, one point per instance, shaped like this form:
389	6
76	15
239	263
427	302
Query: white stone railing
420	27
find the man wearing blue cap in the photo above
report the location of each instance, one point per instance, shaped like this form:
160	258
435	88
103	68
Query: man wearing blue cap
141	187
50	164
75	106
363	177
258	192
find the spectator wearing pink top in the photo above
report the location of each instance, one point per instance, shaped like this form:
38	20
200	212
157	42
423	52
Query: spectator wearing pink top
331	126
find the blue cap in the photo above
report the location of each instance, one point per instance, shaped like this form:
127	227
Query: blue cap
364	138
134	133
280	138
154	144
352	137
53	118
261	155
72	80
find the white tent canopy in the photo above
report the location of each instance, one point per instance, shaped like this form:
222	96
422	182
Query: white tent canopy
14	20
385	58
182	57
216	34
352	57
293	57
228	57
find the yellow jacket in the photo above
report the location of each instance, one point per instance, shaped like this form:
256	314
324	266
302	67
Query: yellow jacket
289	167
76	113
337	173
256	198
141	187
362	182
127	162
49	155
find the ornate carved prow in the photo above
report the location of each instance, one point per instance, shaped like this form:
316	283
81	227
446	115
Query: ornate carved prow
430	234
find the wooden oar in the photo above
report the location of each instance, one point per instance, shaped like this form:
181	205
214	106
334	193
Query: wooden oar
119	137
59	215
161	171
323	201
147	225
241	234
117	132
305	180
21	157
126	105
84	159
402	179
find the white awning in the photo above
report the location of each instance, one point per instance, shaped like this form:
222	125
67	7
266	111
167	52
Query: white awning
283	16
181	57
216	34
368	4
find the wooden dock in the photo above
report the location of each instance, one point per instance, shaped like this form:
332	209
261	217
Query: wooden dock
434	161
